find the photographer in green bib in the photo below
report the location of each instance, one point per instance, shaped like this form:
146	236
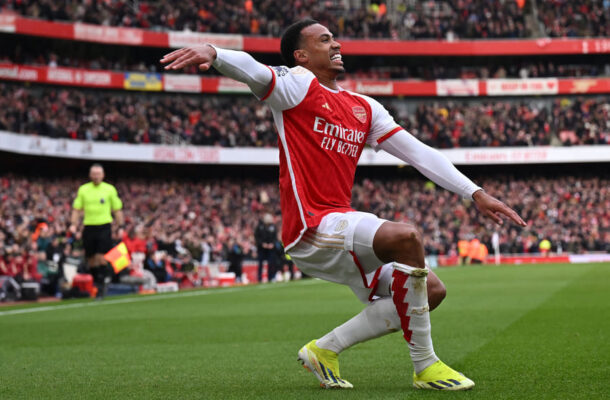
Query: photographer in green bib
97	200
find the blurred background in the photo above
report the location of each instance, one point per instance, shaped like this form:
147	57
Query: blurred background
515	93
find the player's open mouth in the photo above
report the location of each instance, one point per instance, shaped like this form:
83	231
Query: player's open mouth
336	59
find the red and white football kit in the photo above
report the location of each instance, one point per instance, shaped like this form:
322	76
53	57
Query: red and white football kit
322	133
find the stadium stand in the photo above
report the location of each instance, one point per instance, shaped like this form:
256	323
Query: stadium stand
229	122
449	19
192	221
563	18
458	74
468	19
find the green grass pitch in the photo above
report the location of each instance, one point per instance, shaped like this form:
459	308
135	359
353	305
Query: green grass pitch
520	332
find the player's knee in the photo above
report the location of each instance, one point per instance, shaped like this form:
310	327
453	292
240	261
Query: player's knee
400	242
408	237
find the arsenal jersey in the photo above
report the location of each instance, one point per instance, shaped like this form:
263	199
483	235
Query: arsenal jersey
322	133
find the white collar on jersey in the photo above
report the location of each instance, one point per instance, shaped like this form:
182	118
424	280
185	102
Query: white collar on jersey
332	90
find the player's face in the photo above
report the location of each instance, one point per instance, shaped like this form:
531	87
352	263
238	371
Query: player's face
96	174
322	51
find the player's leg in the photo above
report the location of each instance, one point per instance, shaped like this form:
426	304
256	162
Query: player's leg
378	318
401	244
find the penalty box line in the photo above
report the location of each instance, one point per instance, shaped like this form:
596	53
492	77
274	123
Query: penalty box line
195	293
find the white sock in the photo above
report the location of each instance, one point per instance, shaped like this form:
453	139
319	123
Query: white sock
382	317
377	319
410	296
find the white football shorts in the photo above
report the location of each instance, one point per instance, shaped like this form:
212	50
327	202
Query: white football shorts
340	250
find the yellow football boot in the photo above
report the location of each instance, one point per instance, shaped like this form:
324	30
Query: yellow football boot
439	376
324	364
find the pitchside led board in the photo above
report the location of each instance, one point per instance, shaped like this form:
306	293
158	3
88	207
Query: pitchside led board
139	81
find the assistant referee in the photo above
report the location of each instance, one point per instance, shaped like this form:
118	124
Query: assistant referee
97	200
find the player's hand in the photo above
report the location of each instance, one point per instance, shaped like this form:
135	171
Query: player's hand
494	208
201	55
72	229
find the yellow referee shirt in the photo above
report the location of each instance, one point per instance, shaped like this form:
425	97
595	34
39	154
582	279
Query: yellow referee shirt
98	202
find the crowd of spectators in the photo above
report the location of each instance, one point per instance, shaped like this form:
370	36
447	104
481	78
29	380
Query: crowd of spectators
467	19
499	123
446	19
563	18
182	224
243	121
176	224
495	69
136	118
571	212
415	20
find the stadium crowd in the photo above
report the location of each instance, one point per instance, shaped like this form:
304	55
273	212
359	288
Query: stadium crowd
563	18
182	224
495	69
136	118
429	20
447	19
500	123
243	121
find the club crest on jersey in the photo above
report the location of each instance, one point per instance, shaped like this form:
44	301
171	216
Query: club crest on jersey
360	113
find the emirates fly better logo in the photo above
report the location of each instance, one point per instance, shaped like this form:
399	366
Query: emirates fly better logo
339	138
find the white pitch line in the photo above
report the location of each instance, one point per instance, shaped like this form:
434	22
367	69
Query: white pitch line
202	292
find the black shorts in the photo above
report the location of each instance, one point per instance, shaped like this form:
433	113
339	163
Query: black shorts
97	239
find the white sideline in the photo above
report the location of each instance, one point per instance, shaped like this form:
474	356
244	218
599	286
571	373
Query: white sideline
194	293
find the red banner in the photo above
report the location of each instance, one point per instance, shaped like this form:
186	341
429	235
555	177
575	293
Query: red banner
199	84
137	37
522	87
62	76
108	34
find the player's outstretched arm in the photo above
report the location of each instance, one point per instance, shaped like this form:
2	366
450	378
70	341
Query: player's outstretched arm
237	65
435	166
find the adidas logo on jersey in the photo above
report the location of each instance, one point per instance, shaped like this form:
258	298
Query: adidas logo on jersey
325	105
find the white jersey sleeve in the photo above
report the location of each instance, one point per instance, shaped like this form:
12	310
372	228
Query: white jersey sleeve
242	67
289	87
382	123
430	162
